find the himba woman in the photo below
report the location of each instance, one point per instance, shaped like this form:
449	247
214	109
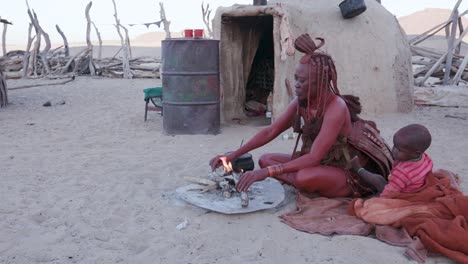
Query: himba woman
331	134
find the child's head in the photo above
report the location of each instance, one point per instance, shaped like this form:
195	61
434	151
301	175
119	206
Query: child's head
410	142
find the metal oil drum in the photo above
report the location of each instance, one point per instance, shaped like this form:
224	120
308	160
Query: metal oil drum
190	79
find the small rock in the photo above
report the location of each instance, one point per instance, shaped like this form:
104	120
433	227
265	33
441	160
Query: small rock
182	225
61	102
47	104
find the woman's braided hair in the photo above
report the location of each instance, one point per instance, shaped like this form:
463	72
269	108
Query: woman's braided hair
321	66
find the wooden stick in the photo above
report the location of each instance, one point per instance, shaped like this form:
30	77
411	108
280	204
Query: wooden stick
460	28
425	53
44	84
432	52
65	42
44	53
3	90
447	31
92	71
5	26
127	42
166	23
56	50
126	67
461	69
27	53
37	43
206	12
443	24
99	40
420	38
448	63
441	59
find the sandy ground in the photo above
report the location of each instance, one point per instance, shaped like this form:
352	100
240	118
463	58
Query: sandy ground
90	182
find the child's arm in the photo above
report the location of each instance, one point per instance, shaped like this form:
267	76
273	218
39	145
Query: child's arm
375	180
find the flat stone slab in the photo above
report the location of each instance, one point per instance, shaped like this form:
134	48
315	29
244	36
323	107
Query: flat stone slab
262	195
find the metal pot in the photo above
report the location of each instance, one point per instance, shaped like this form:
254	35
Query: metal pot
243	163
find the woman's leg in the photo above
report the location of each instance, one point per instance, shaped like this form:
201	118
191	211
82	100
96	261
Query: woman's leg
273	159
278	158
326	180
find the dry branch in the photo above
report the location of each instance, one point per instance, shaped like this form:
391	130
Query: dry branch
3	90
5	26
448	63
65	42
99	40
206	12
460	27
88	40
166	23
127	42
45	84
27	53
37	43
441	59
127	73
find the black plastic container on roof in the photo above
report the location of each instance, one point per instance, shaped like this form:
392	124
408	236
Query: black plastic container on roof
352	8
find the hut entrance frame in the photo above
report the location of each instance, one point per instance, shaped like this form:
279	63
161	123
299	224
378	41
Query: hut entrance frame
248	68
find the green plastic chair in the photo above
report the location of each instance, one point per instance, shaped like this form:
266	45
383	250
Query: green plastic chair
155	96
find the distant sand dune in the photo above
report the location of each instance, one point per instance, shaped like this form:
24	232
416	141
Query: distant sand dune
421	21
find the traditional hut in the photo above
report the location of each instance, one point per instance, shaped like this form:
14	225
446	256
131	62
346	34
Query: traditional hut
371	52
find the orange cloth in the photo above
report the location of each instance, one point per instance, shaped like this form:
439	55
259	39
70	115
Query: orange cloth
437	214
325	216
329	216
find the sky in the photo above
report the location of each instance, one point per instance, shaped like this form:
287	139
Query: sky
70	15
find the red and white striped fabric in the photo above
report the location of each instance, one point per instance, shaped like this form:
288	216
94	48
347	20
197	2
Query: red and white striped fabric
408	176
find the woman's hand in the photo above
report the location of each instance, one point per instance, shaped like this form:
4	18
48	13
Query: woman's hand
221	160
250	177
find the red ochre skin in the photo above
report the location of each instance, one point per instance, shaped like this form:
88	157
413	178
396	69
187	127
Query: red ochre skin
304	173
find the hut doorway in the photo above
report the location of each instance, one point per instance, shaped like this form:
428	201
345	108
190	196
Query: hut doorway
261	77
249	66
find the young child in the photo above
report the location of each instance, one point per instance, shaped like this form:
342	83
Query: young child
411	165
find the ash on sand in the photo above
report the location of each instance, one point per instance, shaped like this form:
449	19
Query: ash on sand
262	195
